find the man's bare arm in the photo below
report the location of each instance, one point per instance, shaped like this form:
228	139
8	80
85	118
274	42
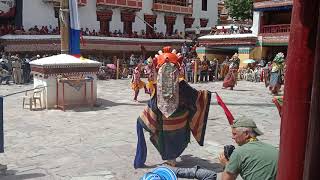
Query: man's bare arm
228	176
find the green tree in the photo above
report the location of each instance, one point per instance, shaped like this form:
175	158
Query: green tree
240	9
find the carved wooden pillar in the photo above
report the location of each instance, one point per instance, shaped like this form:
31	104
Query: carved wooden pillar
169	21
188	21
104	17
151	20
204	22
127	18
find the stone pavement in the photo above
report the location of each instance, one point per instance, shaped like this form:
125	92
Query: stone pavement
100	143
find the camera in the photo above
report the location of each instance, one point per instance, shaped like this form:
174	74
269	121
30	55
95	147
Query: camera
228	149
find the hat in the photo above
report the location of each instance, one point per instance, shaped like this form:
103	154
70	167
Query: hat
160	173
247	123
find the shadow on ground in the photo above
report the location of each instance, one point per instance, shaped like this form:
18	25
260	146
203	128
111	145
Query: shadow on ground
104	104
242	90
189	161
11	175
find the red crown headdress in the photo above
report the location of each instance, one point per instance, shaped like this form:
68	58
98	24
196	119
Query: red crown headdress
168	55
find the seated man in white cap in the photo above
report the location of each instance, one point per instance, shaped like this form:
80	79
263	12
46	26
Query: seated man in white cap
253	159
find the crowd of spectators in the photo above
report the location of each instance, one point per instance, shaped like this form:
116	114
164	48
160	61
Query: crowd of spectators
44	30
230	30
49	30
15	68
135	34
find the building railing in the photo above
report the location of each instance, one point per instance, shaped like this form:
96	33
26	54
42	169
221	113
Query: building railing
173	8
135	4
280	28
80	2
185	3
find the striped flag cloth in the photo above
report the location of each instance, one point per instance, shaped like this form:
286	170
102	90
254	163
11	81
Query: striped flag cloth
74	33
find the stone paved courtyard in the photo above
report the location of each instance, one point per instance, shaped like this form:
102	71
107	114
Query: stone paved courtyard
99	143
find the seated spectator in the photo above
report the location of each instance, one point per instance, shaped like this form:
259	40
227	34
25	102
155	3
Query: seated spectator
46	29
36	28
57	30
11	29
87	32
42	30
4	75
253	159
2	30
54	31
22	29
119	33
50	29
135	34
175	32
93	33
19	30
115	33
161	35
180	35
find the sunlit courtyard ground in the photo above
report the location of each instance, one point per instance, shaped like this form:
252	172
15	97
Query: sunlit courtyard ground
100	143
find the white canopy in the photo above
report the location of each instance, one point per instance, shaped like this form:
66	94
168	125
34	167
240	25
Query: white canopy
65	60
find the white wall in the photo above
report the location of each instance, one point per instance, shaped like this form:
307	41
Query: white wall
116	23
139	25
36	12
179	23
211	13
76	97
44	15
256	23
88	16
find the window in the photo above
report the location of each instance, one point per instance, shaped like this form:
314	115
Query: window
204	5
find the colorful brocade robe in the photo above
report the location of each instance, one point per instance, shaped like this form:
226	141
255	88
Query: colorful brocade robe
171	135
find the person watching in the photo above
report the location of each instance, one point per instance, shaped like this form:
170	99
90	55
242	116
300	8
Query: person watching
253	159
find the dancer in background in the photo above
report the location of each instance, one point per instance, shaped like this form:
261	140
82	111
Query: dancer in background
136	83
276	73
231	78
150	71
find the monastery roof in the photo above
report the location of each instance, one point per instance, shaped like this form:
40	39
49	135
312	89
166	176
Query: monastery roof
57	37
273	5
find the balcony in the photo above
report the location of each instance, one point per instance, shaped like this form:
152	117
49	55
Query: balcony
178	6
275	29
259	4
131	4
57	2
